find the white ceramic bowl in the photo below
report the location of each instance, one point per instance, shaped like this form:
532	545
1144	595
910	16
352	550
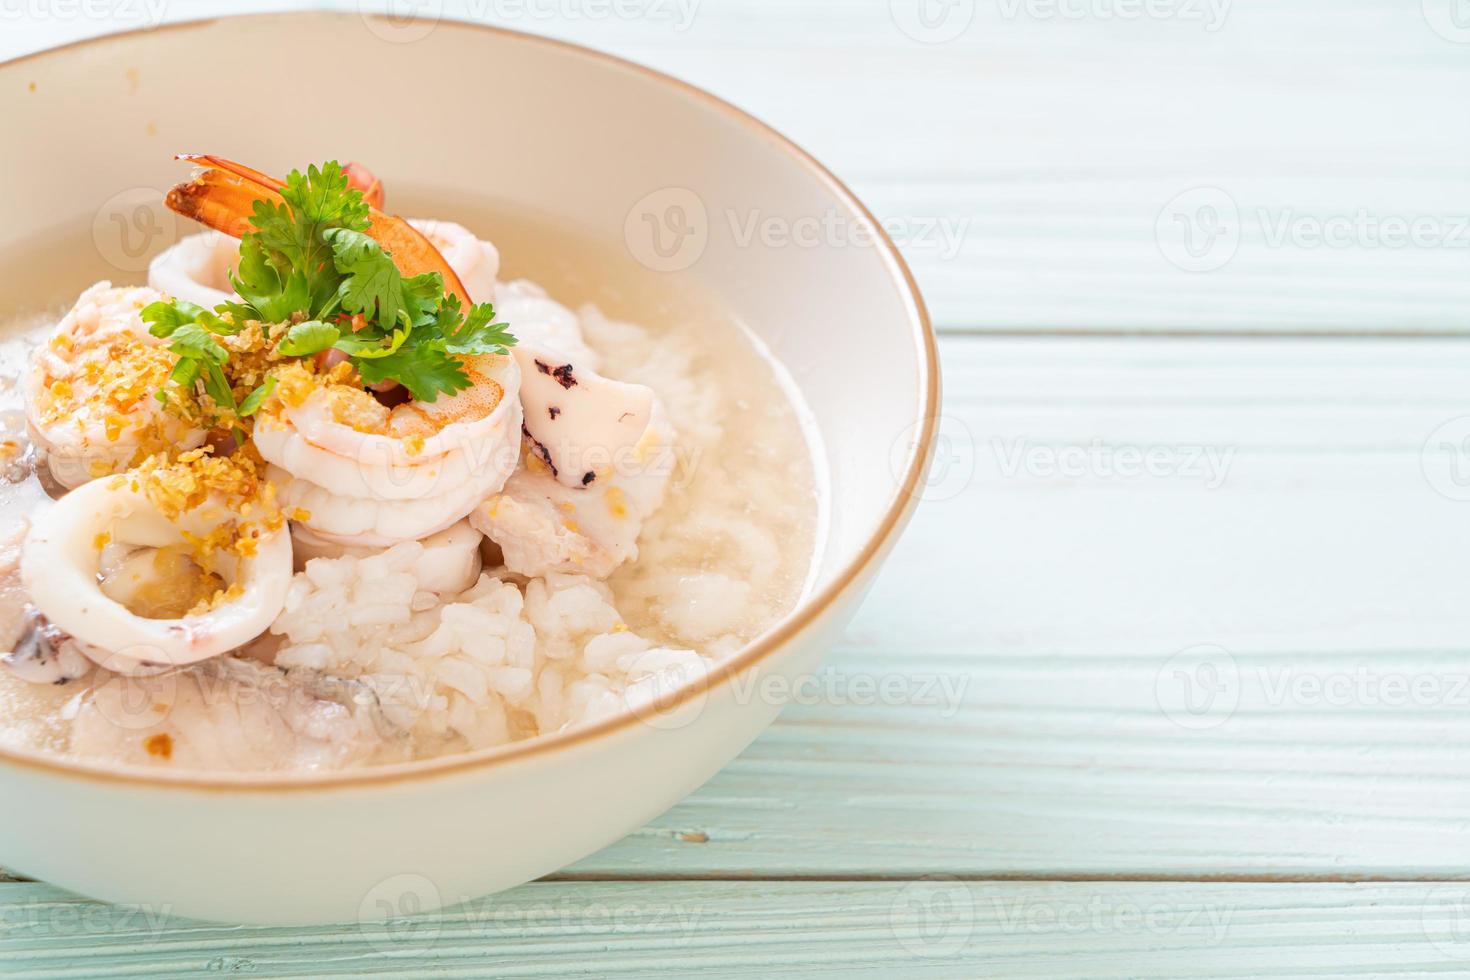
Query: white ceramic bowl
571	133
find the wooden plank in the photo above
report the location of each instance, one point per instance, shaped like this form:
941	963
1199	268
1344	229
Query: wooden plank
939	927
1027	625
1033	166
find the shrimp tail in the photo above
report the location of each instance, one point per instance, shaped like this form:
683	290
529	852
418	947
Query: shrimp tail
222	194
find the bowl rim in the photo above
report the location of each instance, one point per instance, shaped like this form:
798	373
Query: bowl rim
895	515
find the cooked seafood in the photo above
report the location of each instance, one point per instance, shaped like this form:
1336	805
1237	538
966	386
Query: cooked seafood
543	322
365	474
580	424
598	463
197	269
89	394
327	510
475	261
544	526
233	590
223	195
230	714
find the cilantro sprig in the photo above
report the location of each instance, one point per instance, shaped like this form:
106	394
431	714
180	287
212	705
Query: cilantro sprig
310	262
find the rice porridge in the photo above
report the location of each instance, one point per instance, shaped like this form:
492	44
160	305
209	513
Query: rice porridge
393	493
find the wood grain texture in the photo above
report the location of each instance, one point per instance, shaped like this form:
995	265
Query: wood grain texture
1172	607
1008	700
938	928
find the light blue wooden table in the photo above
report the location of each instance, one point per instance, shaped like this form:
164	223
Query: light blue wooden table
1181	630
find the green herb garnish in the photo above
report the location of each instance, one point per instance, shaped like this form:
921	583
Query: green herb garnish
310	263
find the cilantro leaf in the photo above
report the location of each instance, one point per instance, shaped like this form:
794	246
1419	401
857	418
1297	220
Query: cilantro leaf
256	398
369	347
166	316
373	285
217	386
480	334
308	258
425	371
193	341
423	295
323	197
308	338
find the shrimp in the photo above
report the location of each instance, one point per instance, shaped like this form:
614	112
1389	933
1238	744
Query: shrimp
474	260
359	473
89	391
197	268
222	196
355	471
83	565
